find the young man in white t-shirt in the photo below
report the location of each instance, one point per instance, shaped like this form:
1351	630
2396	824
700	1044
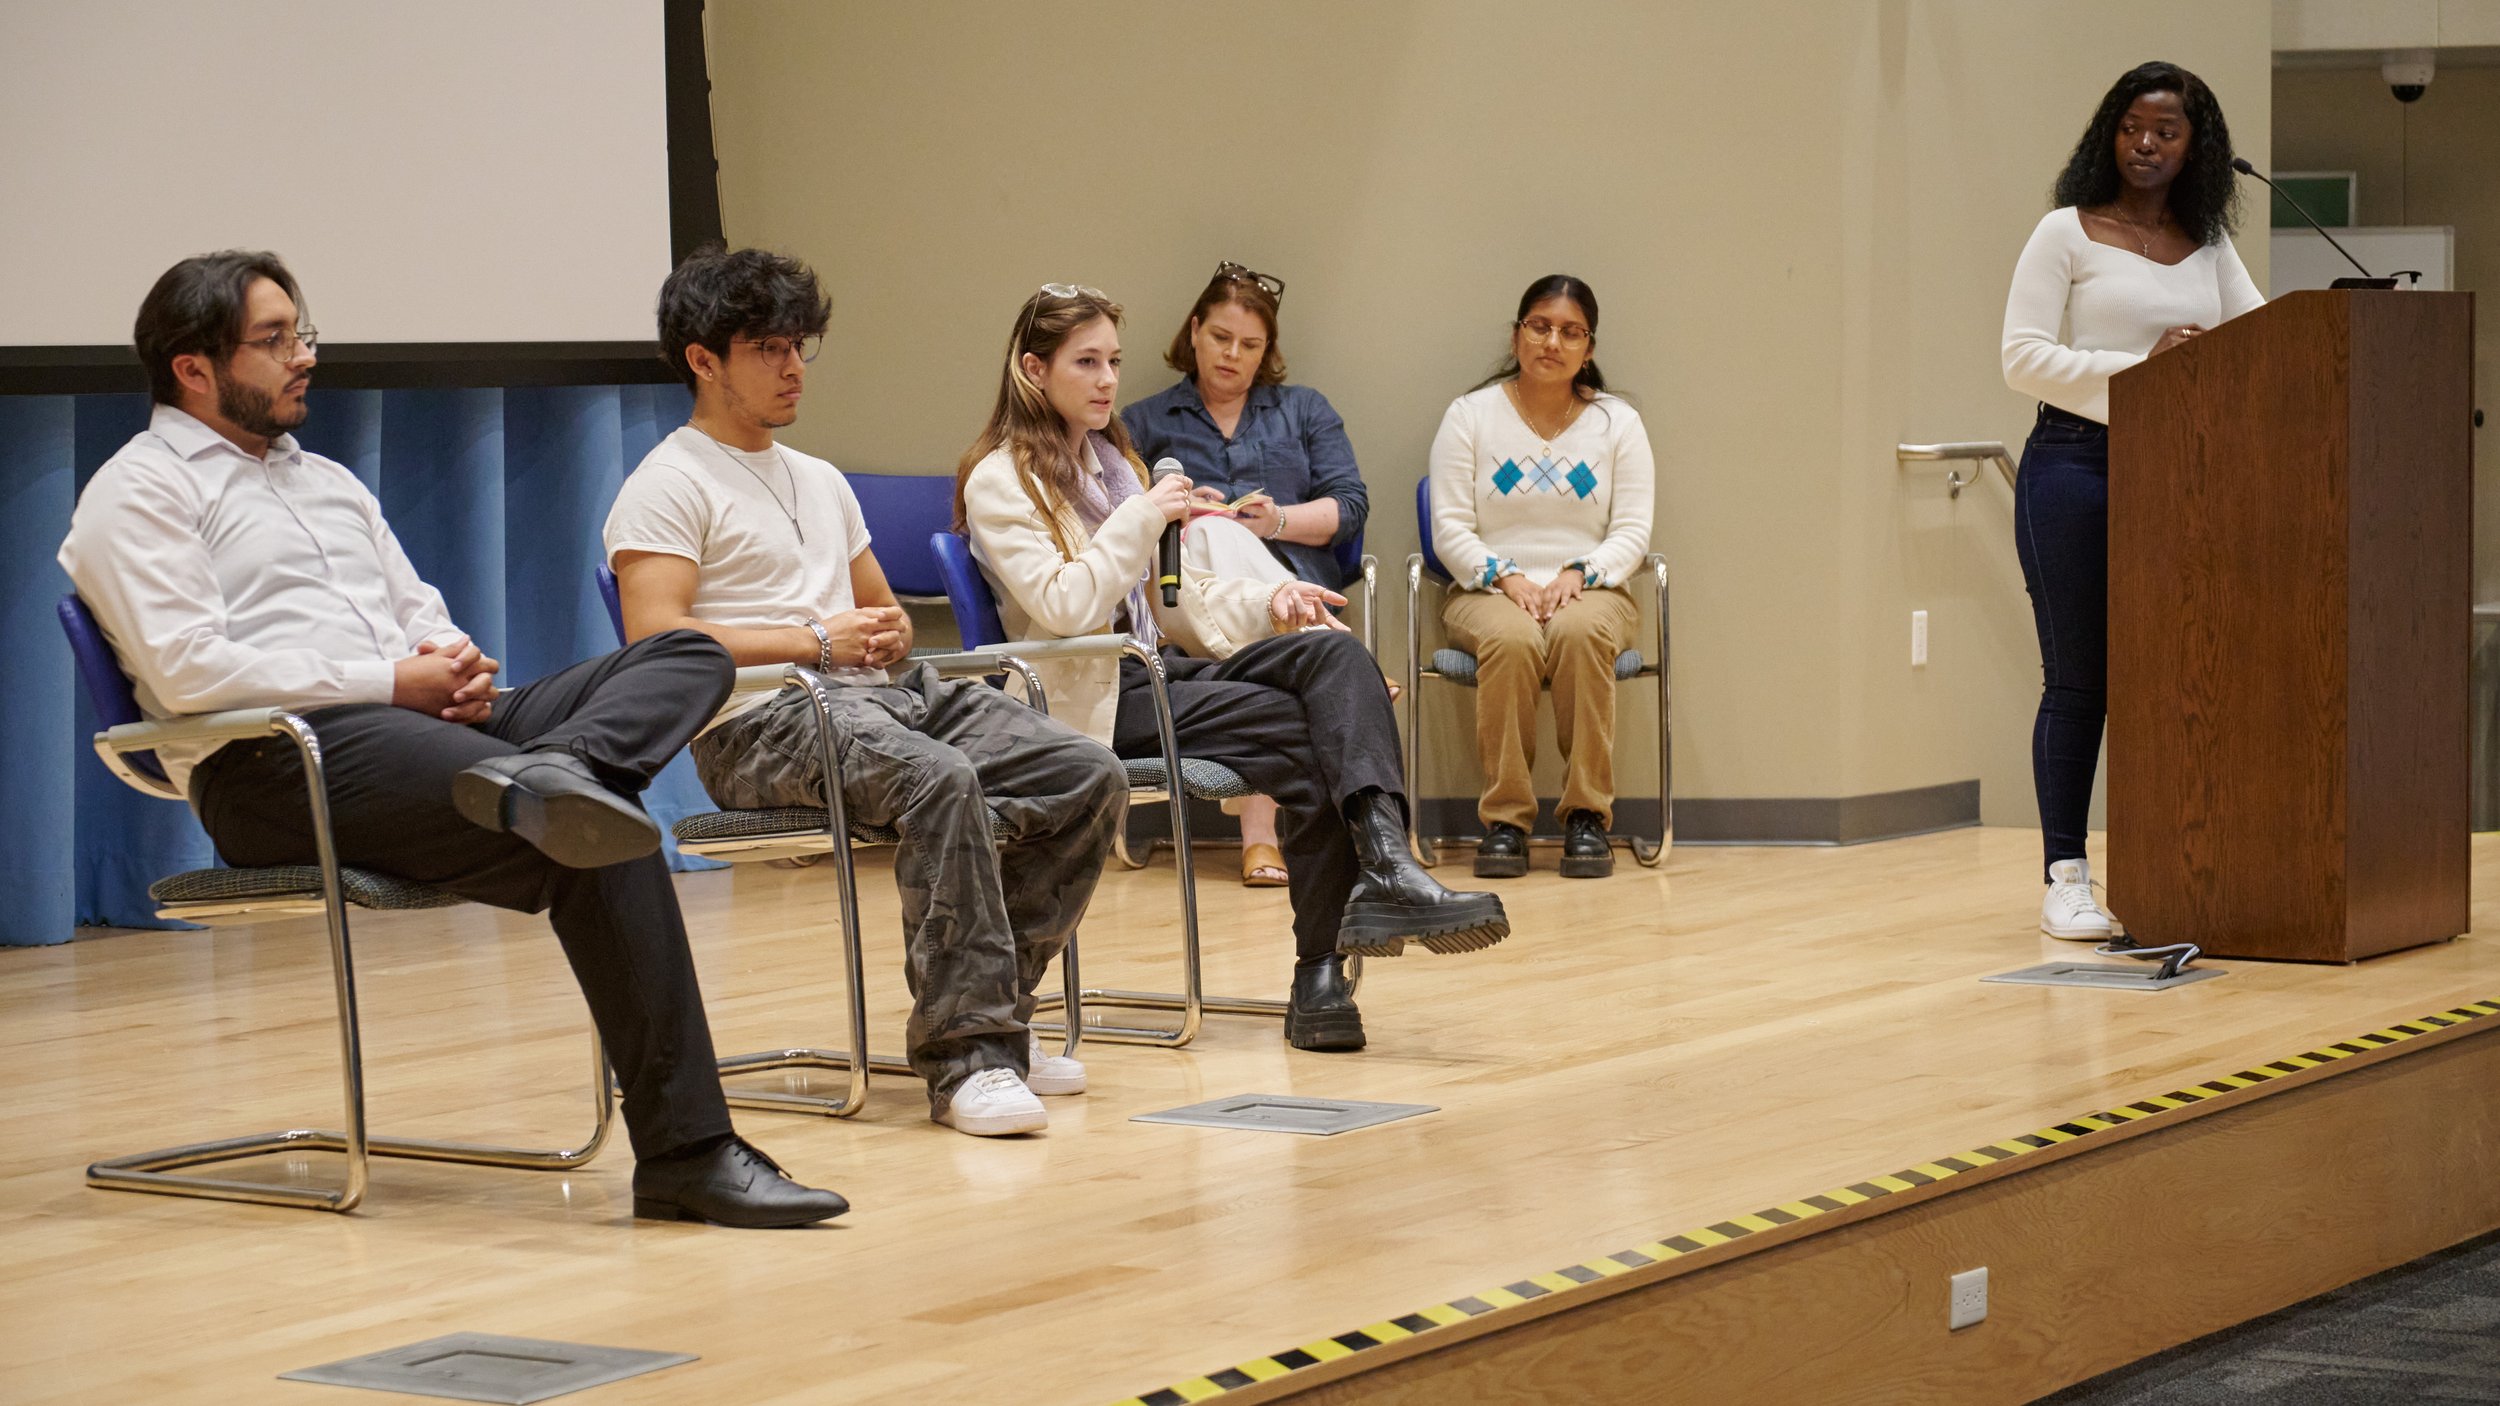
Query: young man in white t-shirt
724	531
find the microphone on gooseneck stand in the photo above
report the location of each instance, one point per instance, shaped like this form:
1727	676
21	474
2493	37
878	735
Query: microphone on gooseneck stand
1168	551
2367	278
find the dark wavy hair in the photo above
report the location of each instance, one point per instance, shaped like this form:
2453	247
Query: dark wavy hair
2206	196
719	293
196	308
1555	285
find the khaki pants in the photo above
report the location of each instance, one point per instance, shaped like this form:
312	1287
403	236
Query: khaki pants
1575	653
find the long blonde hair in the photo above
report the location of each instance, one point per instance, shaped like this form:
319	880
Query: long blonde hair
1023	420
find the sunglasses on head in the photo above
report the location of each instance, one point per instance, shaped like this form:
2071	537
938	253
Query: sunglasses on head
1230	272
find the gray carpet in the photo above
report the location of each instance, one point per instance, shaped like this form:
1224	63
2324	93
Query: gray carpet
2426	1331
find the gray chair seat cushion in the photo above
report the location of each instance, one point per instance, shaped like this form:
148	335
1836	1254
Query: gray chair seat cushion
1459	667
1204	780
362	887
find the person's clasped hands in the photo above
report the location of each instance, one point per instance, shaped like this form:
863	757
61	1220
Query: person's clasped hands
453	680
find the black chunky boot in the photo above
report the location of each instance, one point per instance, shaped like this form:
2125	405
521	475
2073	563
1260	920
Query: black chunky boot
1503	853
1395	898
1587	852
1321	1015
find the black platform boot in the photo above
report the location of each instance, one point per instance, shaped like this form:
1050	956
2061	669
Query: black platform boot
1587	852
1395	898
1322	1015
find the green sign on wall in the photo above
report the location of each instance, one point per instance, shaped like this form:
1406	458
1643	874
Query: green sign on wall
2330	196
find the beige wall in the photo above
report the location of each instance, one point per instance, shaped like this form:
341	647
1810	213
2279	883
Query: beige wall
1800	218
2435	162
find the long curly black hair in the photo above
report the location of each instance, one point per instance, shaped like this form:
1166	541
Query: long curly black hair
2206	196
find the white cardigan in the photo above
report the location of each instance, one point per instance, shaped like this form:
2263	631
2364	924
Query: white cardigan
2080	312
1043	595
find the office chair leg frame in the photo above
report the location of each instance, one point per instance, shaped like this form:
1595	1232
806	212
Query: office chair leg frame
1649	852
157	1171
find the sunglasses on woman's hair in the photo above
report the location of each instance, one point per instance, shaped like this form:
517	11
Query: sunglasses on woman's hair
1230	272
1024	319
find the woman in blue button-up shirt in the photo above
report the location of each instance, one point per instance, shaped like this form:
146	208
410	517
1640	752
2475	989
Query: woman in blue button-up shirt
1235	427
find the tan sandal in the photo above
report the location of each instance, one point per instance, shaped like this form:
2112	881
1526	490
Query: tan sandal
1262	867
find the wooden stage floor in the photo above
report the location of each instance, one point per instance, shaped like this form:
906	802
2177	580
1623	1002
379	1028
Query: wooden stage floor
1646	1055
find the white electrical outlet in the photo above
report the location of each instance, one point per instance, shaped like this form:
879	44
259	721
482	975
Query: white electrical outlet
1918	639
1970	1298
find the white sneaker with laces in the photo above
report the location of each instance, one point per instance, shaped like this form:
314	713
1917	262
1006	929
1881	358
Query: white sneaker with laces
2070	911
994	1103
1051	1074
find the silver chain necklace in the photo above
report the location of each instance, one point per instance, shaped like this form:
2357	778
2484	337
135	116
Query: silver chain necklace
791	512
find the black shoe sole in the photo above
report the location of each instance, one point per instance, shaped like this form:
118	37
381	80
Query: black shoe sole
576	831
1501	866
1384	929
1325	1030
1588	866
653	1208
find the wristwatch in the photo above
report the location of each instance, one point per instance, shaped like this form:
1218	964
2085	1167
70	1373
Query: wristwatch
824	646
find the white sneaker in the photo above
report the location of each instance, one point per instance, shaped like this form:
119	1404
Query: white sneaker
994	1103
1050	1074
2069	910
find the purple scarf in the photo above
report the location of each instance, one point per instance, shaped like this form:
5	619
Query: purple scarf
1098	495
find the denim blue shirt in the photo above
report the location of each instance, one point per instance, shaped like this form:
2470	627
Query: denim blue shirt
1288	441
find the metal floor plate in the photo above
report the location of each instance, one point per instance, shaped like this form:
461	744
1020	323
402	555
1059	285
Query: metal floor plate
2102	976
484	1367
1280	1113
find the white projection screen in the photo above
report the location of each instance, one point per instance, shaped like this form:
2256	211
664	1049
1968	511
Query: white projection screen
445	171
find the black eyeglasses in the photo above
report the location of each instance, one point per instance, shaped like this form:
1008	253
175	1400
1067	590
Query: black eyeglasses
777	348
288	344
1230	272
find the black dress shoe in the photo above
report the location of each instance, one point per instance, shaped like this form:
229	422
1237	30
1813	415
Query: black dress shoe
552	800
1395	898
1503	853
1321	1015
731	1183
1587	852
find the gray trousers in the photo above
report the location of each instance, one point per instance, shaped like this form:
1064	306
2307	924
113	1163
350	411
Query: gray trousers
932	758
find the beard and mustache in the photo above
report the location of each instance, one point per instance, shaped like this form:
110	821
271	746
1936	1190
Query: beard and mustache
255	411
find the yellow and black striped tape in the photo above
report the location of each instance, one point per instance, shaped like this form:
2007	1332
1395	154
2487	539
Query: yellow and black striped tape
1572	1276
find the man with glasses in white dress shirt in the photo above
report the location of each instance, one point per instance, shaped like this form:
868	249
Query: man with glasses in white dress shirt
231	569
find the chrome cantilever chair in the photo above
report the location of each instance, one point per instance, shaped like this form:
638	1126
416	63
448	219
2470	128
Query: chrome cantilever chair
1456	666
976	619
127	747
738	836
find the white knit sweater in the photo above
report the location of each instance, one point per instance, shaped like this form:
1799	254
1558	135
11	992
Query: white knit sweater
2080	312
1505	500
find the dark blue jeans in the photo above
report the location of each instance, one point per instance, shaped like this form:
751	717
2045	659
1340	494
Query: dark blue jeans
2061	532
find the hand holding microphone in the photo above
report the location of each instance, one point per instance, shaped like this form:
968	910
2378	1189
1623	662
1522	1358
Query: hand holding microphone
1170	494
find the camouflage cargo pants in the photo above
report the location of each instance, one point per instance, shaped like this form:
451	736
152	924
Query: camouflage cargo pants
932	758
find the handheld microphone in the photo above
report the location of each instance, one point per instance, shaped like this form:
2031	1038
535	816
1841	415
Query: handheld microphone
1168	551
2367	278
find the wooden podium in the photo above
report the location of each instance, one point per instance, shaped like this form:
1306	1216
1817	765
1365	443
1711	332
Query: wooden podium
2290	625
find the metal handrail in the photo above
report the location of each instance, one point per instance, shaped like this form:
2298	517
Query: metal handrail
1988	450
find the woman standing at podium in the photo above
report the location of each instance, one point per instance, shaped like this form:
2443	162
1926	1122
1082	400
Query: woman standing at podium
2135	260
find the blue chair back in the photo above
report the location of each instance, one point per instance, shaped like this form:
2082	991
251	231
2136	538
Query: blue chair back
1423	527
903	511
609	598
108	688
967	591
1349	555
